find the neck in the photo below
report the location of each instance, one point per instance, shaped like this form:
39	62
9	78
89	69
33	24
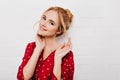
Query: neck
50	43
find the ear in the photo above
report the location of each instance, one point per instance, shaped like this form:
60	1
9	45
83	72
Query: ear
58	32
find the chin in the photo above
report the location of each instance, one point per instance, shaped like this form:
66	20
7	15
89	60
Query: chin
42	36
40	33
45	34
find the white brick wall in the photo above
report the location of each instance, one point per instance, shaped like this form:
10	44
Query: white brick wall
95	35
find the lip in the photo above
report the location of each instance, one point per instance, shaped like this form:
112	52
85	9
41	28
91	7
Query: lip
43	28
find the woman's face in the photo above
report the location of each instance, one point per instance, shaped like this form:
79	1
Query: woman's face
48	25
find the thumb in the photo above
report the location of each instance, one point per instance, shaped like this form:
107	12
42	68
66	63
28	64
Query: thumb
61	46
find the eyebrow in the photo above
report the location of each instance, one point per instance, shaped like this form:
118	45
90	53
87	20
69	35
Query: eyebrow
52	21
44	15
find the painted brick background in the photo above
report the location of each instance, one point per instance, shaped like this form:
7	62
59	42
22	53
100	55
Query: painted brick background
95	34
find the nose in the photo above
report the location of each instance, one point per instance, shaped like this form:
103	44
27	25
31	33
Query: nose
43	23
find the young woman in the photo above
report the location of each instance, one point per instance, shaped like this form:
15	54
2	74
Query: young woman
46	59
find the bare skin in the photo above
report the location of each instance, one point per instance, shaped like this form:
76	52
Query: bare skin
46	36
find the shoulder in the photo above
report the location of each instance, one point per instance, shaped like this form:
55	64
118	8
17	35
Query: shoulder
30	46
70	55
68	61
29	49
31	43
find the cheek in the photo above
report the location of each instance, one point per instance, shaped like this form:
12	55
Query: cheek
53	29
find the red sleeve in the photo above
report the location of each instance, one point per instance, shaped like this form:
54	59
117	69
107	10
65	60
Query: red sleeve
28	52
68	67
53	77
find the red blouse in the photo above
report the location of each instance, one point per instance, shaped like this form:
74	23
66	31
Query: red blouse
44	68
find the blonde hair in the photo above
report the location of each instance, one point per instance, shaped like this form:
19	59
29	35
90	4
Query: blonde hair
65	18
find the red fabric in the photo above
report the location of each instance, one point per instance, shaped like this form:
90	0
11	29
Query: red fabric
44	68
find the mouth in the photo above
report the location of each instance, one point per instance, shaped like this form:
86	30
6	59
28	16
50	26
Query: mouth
43	28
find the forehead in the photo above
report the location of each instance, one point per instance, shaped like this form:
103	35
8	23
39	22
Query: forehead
53	15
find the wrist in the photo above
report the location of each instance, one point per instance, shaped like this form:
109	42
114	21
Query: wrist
57	61
38	49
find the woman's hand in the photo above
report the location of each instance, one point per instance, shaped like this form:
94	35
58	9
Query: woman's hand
63	50
59	54
40	42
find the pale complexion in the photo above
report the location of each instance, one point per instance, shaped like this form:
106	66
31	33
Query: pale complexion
46	36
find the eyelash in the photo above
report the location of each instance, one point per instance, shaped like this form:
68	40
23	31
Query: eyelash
44	18
51	23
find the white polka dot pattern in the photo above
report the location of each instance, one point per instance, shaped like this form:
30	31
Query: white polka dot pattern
44	68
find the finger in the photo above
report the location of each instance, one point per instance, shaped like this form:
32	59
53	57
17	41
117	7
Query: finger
66	51
42	38
62	46
70	45
65	48
36	38
39	37
68	42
